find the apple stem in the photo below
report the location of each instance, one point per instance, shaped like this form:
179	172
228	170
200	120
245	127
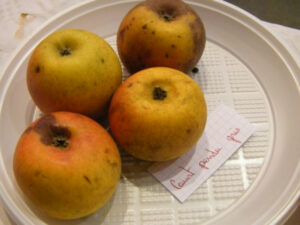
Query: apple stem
159	93
60	142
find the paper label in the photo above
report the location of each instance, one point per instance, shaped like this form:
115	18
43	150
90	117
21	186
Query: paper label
225	132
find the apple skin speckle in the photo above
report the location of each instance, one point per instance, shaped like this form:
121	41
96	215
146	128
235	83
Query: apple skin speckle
37	69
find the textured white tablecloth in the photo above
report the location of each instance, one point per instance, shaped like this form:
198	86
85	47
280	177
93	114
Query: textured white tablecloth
20	18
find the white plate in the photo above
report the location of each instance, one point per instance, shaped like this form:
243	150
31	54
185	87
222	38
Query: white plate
243	66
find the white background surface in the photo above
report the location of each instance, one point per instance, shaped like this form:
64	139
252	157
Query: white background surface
19	19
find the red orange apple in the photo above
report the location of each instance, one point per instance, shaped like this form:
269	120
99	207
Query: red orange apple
67	165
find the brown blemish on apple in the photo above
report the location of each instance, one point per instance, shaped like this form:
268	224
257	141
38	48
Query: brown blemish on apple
198	38
87	179
114	107
37	173
166	55
144	26
112	163
188	131
122	31
129	85
153	32
51	133
102	60
37	69
173	46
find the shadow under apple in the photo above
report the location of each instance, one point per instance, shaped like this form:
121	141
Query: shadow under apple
136	171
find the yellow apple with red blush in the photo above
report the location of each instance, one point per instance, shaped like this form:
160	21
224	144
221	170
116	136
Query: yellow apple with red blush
67	165
73	70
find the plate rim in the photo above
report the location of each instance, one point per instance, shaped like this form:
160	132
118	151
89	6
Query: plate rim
106	3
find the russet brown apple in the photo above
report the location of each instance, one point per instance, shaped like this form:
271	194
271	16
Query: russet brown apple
161	33
73	70
67	165
157	114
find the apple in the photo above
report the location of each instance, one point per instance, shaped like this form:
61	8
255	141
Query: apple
73	70
67	165
164	33
157	114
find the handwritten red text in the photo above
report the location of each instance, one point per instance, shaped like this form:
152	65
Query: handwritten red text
213	154
232	136
179	184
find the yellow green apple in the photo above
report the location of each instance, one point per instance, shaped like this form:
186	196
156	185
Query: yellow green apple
165	33
67	165
73	70
157	114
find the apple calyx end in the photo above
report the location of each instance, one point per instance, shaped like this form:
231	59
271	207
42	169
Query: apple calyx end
166	16
159	93
51	133
60	142
65	52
